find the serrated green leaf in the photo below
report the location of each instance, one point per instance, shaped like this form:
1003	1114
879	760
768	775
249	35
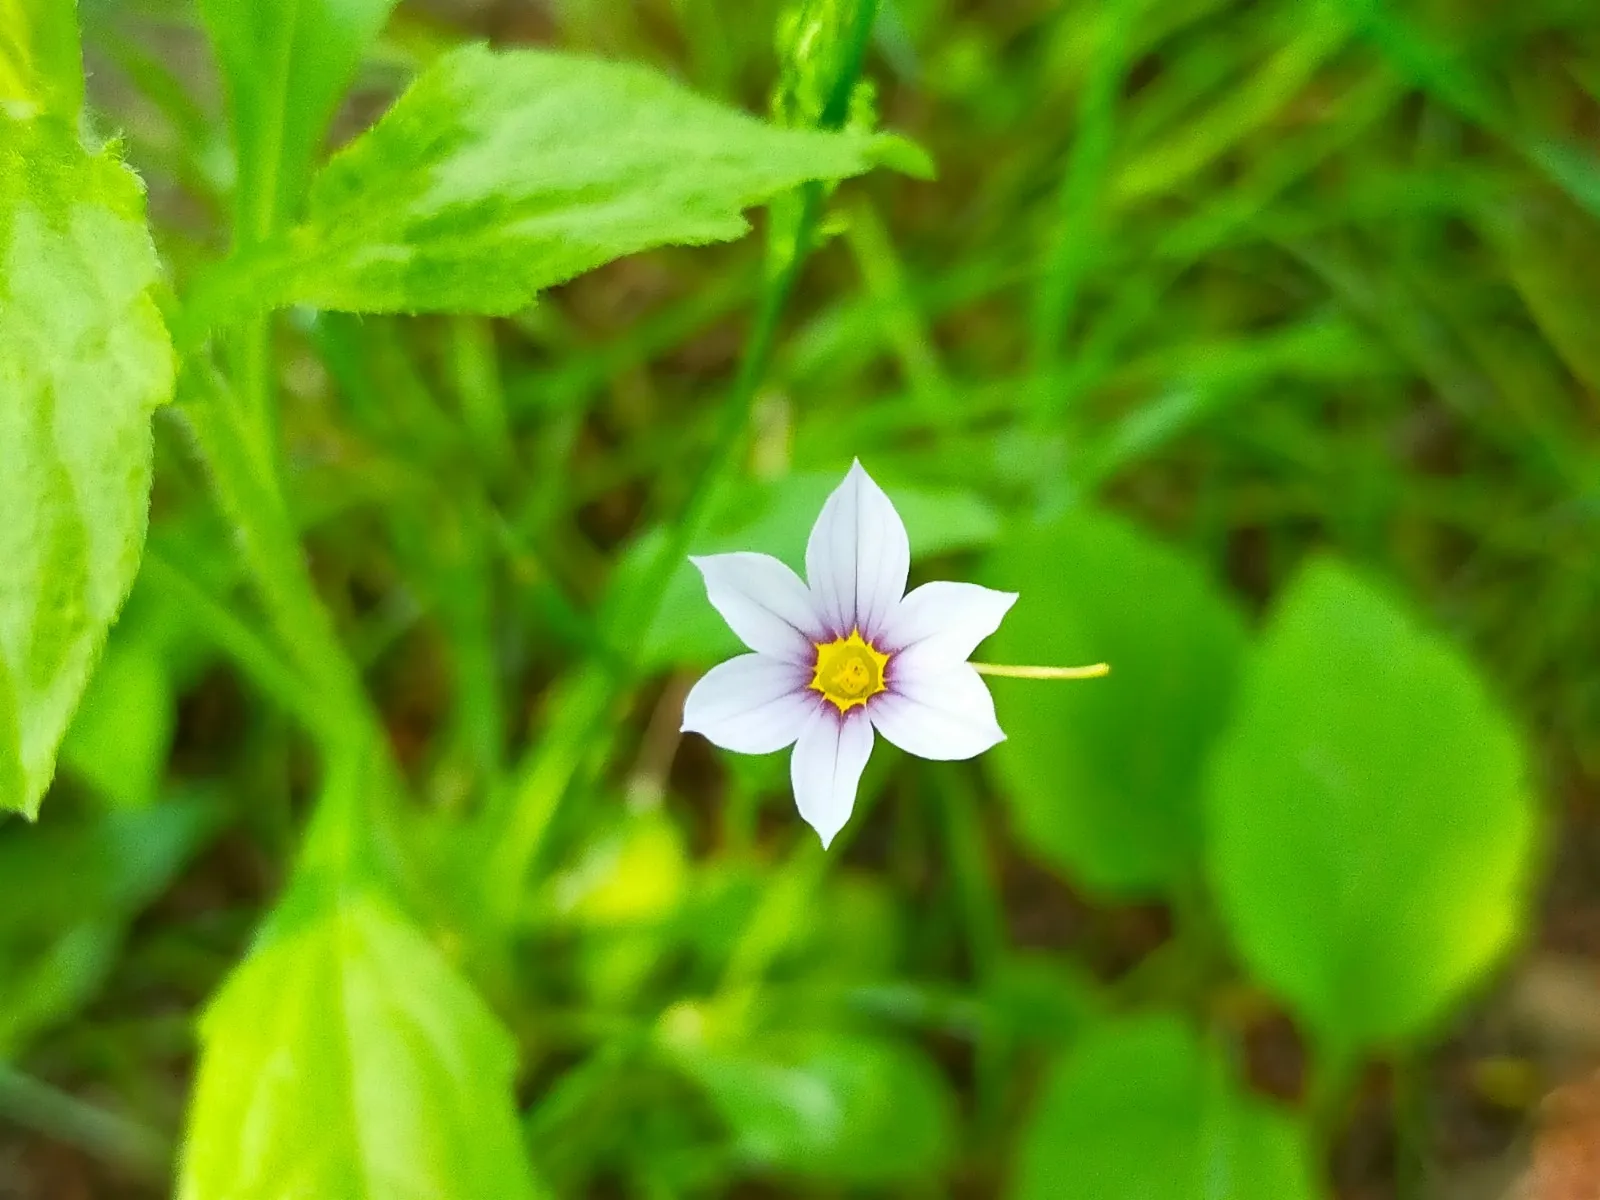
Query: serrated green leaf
1103	776
84	361
41	67
776	519
499	174
284	67
1140	1109
345	1058
848	1108
1370	826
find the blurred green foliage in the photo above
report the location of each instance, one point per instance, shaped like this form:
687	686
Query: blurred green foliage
1256	345
1392	866
1139	1108
1106	780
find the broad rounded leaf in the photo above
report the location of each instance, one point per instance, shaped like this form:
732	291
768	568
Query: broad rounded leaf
345	1058
1103	777
84	361
1139	1109
838	1107
498	174
1370	824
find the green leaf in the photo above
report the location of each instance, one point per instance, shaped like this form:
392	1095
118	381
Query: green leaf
120	737
1041	997
345	1058
846	1108
820	45
1103	776
84	882
776	519
1140	1109
71	872
284	67
41	68
1551	253
84	361
1370	824
499	174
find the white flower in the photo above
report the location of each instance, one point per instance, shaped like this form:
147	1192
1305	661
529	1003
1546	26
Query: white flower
847	654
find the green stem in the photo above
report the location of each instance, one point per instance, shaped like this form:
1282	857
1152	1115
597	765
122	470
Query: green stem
908	333
1078	203
758	351
1410	1127
342	843
584	705
731	430
252	371
967	848
211	619
360	777
966	843
1328	1096
580	704
247	490
56	1114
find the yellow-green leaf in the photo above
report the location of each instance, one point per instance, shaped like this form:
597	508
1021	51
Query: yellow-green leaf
41	68
84	361
345	1058
499	174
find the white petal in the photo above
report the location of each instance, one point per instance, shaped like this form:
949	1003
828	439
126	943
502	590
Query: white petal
858	556
763	602
944	713
940	624
826	767
751	704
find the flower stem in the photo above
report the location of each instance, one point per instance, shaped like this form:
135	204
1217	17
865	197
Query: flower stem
1094	671
566	751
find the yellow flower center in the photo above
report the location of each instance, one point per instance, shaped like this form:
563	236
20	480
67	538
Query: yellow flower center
849	671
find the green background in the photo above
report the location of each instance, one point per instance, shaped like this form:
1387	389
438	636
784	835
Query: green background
1256	345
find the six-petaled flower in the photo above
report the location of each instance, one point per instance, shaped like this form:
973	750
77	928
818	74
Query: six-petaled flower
844	653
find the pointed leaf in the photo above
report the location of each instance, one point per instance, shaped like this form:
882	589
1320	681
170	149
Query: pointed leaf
345	1058
1370	824
84	361
498	174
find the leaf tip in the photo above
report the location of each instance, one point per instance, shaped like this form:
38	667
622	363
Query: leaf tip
903	155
